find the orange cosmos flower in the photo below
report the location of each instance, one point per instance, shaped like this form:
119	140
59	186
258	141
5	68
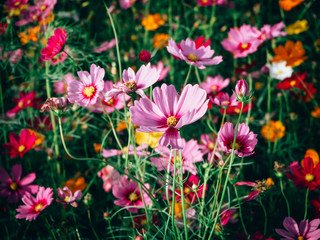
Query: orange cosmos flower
291	52
274	132
316	112
287	5
152	22
313	155
76	183
160	40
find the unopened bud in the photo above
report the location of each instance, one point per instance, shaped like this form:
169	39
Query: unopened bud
242	89
144	56
55	104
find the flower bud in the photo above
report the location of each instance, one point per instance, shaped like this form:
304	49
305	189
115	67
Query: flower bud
144	56
55	104
242	89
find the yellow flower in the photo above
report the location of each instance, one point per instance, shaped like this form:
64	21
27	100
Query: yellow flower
160	40
152	22
269	182
151	139
297	27
274	132
39	138
292	53
316	112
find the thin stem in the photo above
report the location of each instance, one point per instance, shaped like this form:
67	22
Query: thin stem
240	212
185	82
265	217
269	112
182	199
284	196
174	193
306	205
228	174
197	75
116	38
2	112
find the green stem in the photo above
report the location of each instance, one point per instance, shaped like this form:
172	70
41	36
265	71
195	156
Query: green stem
185	82
250	89
265	217
174	193
116	38
269	112
182	199
197	75
228	173
240	212
306	205
284	196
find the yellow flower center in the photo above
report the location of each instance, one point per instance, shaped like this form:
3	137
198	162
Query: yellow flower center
21	148
226	102
143	222
280	72
17	3
244	45
300	238
193	57
237	146
211	146
131	85
309	177
20	104
38	207
67	198
133	197
43	7
14	186
172	121
214	87
89	91
187	190
292	83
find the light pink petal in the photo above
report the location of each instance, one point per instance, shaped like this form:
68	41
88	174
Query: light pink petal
172	137
166	98
28	179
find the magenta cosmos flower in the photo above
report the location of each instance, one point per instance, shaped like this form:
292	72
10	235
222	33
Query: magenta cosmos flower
19	145
116	102
34	205
243	41
245	140
54	45
169	112
131	82
14	4
223	99
190	155
67	197
215	84
305	231
128	195
86	90
16	187
197	53
109	177
207	144
60	87
270	32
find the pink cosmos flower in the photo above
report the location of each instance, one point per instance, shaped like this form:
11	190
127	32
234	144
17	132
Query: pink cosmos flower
86	90
60	58
215	84
14	56
140	151
128	195
207	144
18	146
26	100
105	46
29	15
269	32
206	3
245	140
196	53
190	154
16	188
125	4
306	230
243	41
34	205
68	198
131	82
116	102
14	4
223	99
109	177
169	112
45	6
54	45
163	70
60	87
55	104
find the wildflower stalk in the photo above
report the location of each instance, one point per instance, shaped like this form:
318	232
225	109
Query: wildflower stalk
265	216
50	228
116	38
229	169
250	89
197	75
306	205
182	199
240	212
284	196
269	112
206	176
174	193
2	112
185	82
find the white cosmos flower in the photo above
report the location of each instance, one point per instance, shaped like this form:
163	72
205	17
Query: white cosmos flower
279	70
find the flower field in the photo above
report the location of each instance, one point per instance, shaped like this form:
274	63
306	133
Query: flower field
144	119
